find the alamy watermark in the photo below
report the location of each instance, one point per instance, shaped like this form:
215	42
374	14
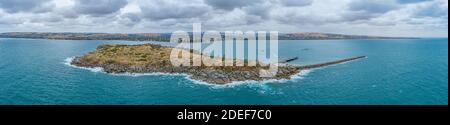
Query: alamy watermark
213	48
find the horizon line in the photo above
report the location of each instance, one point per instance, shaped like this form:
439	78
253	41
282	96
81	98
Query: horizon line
224	31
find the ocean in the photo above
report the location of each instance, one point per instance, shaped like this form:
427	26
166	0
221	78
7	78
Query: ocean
396	72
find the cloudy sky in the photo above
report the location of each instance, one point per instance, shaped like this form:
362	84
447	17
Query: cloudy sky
422	18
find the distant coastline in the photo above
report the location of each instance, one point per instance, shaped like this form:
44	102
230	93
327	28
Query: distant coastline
165	37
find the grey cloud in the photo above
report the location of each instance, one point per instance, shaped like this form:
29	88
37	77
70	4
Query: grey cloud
68	13
296	2
98	7
237	17
161	10
358	15
177	23
372	6
132	17
170	15
411	1
262	9
433	10
305	19
14	6
368	9
129	19
231	4
8	20
46	18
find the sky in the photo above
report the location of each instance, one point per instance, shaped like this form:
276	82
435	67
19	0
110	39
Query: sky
407	18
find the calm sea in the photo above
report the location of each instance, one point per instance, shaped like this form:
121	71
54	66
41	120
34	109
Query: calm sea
395	72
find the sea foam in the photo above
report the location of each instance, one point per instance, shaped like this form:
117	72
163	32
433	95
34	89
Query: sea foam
70	59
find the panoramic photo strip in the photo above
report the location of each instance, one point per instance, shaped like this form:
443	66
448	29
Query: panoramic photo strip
224	60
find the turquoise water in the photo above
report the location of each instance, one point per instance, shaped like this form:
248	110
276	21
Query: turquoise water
395	72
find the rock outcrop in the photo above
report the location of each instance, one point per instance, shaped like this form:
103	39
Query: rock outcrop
150	58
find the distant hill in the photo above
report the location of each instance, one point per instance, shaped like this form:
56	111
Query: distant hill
88	36
325	36
166	36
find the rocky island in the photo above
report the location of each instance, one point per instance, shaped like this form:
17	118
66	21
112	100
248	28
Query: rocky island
150	58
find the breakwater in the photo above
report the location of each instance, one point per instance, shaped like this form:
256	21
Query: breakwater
318	65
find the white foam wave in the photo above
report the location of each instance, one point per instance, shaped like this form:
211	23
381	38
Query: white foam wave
70	59
295	77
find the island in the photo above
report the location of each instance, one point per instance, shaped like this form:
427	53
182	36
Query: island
151	58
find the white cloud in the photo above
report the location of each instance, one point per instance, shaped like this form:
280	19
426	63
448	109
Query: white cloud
374	17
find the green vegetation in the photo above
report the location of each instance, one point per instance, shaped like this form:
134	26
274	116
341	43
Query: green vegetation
137	55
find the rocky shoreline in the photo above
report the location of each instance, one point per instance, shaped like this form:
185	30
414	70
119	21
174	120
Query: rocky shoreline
150	58
208	75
